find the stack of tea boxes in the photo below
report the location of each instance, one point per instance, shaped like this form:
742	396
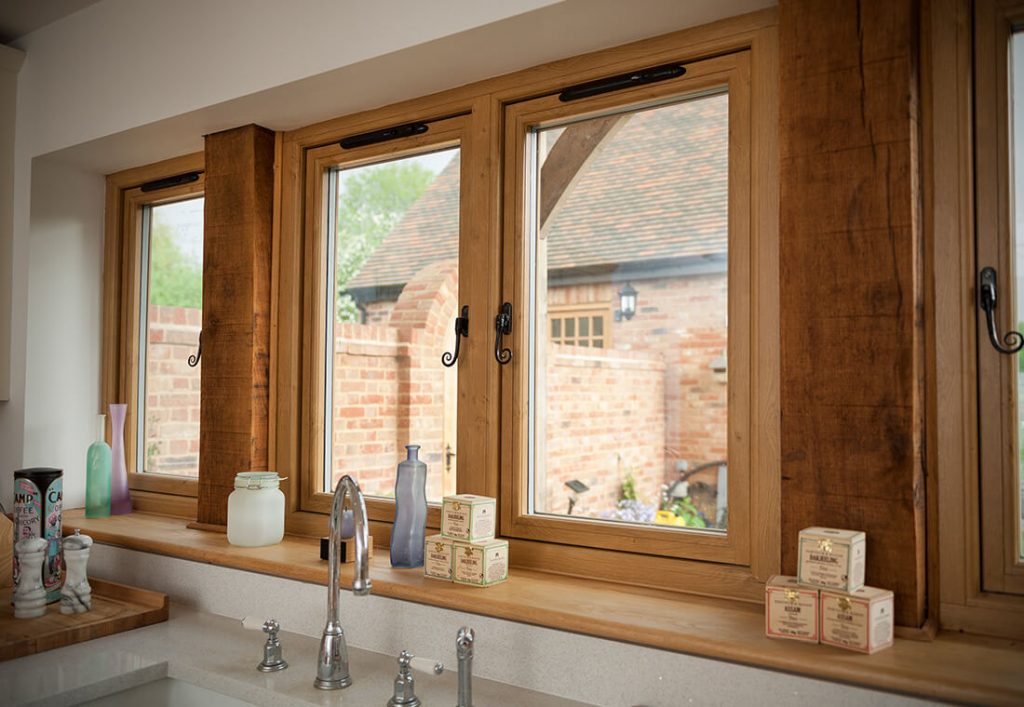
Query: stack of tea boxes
466	552
827	601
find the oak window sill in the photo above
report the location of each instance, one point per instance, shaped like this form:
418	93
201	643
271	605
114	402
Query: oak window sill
952	667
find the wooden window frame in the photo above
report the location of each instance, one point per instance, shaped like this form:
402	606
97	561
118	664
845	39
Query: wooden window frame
731	71
159	493
955	166
320	161
575	311
481	453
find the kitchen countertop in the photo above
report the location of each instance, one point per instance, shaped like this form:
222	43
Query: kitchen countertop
215	652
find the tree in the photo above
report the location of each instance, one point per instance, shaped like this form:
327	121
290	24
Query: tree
371	202
175	279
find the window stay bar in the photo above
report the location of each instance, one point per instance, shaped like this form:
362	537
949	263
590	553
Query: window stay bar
622	81
167	182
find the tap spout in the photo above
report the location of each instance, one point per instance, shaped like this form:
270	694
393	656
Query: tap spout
332	667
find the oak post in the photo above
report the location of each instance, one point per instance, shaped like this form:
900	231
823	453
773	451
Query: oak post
851	284
236	313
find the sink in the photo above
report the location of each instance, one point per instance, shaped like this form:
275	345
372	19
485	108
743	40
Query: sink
168	692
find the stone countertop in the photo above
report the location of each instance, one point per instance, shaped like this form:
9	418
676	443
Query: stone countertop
217	653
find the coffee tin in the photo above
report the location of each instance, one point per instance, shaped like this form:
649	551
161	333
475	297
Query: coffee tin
38	501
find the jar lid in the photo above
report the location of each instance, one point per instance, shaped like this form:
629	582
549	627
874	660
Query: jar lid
257	480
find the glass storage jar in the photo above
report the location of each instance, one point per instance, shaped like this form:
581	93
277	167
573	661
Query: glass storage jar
256	509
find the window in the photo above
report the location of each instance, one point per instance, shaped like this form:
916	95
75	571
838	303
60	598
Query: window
389	257
579	325
618	233
153	318
975	105
1000	238
635	198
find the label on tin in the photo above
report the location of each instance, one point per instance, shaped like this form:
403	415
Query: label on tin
37	514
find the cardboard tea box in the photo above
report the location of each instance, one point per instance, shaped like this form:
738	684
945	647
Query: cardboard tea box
481	564
831	558
858	621
437	557
468	517
790	610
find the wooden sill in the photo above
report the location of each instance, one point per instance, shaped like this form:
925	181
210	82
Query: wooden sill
953	667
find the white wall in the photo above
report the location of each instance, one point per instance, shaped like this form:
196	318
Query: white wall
10	63
62	374
128	82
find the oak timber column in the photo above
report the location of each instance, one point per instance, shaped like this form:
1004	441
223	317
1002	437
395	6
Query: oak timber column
236	313
851	292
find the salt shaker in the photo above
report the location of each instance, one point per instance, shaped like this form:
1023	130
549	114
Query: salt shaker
76	595
29	595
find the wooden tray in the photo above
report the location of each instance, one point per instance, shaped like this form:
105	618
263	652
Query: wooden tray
115	608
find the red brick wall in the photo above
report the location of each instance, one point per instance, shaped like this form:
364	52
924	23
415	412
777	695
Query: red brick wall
172	392
390	389
605	418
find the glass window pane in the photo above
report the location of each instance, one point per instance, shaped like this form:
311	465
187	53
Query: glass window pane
396	229
635	429
173	292
570	327
556	328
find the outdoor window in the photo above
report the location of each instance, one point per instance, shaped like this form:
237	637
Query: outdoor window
153	317
385	303
632	437
171	288
580	325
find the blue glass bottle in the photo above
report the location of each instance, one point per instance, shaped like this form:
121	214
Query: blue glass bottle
407	535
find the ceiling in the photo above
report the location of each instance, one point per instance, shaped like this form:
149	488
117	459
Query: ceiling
19	17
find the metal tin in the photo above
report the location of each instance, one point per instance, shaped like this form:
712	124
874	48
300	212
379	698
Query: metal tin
38	503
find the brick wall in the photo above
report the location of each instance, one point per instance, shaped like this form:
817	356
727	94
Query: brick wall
605	418
172	392
390	389
682	320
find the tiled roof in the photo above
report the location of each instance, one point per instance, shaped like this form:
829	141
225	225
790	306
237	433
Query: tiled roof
655	190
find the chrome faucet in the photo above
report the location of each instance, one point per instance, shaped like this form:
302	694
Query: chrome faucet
464	652
332	667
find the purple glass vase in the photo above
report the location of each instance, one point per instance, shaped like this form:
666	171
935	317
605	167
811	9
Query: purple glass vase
120	498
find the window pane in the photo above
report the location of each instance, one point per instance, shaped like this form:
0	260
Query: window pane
634	429
173	292
556	328
396	228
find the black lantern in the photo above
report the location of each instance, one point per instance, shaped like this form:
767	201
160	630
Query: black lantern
627	303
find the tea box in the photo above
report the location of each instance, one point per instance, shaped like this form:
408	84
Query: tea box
468	517
480	564
858	621
791	610
831	558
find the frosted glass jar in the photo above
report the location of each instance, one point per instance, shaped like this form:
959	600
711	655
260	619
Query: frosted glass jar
256	509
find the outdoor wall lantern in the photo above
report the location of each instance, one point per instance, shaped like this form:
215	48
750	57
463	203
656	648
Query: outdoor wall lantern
627	303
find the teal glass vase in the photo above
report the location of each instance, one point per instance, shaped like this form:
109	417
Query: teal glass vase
97	474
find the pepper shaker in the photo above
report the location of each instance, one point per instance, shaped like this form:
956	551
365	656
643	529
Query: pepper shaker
76	595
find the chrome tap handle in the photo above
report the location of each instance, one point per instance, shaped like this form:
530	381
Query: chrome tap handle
405	686
272	660
464	652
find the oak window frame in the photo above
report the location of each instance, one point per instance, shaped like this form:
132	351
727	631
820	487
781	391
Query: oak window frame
484	260
155	492
961	158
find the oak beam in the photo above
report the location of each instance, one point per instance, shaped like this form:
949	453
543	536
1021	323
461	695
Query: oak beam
852	337
236	313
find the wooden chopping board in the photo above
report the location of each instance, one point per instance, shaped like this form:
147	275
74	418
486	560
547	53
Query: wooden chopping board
115	608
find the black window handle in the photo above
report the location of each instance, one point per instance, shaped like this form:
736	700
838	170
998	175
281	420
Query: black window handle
1013	340
193	359
448	359
502	326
